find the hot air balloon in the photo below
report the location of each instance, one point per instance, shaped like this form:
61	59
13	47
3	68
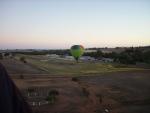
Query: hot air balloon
77	51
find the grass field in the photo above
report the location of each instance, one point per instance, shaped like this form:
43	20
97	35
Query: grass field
55	66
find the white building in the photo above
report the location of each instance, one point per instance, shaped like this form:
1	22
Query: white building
52	55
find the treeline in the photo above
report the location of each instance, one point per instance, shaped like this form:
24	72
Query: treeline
128	56
44	52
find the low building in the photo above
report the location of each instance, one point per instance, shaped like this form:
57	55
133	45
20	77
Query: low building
90	50
107	60
53	55
87	58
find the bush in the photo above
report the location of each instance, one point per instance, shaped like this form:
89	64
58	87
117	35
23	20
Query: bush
146	57
51	98
75	79
85	92
6	54
53	92
100	97
21	76
22	59
1	56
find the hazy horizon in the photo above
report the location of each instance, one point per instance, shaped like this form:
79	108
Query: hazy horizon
55	24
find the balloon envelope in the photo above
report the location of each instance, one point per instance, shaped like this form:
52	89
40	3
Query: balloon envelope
77	51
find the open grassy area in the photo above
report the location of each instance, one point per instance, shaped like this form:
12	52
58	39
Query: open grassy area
57	66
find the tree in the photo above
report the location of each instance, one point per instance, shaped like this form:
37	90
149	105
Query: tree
1	56
6	54
126	58
97	54
146	57
51	98
22	59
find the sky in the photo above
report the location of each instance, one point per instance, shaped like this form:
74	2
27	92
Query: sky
59	24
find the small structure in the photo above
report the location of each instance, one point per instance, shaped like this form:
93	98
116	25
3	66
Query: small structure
107	60
90	50
87	58
52	55
69	57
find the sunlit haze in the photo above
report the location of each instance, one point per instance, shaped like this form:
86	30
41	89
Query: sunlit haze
52	24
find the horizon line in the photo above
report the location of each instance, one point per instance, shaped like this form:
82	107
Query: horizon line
69	48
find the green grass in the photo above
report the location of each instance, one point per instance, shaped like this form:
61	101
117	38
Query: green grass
63	67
